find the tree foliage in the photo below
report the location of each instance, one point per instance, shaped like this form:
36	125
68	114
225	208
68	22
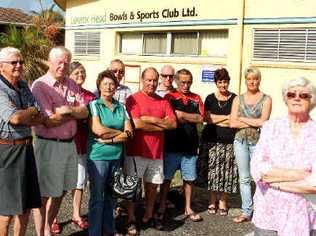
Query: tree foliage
36	40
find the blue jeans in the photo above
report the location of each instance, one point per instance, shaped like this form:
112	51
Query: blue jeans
101	203
243	151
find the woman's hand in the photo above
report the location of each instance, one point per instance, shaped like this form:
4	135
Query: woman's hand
277	175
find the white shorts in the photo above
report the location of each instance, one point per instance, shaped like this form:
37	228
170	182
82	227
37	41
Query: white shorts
150	170
82	171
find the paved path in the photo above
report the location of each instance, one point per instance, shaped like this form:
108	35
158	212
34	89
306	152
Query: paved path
177	224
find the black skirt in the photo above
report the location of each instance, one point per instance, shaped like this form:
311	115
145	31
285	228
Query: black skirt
19	188
217	168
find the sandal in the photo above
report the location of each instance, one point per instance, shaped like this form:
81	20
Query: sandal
160	215
194	217
131	228
211	210
241	218
223	212
55	228
82	223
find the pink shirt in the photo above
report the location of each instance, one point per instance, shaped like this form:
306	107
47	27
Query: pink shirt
52	94
284	212
145	143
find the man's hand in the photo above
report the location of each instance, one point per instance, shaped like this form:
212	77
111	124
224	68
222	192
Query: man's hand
63	110
180	116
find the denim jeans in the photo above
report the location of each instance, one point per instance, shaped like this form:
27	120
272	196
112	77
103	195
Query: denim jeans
101	203
243	151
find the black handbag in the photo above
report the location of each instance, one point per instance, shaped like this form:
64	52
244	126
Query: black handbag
125	186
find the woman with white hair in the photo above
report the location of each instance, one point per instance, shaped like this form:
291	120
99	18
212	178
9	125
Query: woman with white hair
284	166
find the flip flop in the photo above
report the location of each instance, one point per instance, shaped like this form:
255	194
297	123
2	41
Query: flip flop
223	212
131	228
194	217
55	228
241	218
82	223
211	210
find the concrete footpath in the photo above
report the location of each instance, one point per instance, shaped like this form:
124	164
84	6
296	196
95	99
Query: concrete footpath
177	224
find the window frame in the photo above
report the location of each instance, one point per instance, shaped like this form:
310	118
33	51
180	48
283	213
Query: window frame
169	45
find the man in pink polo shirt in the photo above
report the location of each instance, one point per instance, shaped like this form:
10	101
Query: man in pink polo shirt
55	150
151	115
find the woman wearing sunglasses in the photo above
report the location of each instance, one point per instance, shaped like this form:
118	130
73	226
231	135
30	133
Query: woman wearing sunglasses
249	111
284	166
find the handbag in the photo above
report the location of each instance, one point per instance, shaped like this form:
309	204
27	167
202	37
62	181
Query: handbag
123	185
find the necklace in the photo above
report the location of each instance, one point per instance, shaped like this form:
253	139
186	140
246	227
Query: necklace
223	103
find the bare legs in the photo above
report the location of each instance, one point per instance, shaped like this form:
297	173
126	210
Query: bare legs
20	224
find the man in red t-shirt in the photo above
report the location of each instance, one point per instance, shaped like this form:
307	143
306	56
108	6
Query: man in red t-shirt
151	115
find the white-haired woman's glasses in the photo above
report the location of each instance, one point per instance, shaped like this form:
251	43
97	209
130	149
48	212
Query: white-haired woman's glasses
304	96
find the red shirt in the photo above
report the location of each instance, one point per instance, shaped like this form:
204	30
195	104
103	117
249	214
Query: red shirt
146	143
81	136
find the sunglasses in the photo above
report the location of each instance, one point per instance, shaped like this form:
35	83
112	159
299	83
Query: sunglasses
14	63
122	72
292	95
165	76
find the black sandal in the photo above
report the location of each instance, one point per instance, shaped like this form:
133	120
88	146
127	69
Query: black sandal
223	212
131	228
211	210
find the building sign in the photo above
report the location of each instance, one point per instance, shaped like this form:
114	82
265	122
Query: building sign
136	16
207	74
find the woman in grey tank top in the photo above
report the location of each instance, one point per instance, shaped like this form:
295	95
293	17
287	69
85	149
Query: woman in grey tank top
249	111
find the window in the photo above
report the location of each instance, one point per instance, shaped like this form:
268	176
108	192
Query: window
293	44
214	43
131	43
87	43
155	43
185	43
211	43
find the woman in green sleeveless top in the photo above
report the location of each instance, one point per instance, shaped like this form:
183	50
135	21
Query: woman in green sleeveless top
249	111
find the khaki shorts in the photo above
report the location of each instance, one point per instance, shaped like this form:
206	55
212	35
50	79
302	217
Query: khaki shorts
57	166
150	170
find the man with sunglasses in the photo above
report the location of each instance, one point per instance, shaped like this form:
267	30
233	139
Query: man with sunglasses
122	91
18	176
166	80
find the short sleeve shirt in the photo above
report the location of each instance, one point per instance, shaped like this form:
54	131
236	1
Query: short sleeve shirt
52	94
122	93
146	143
114	119
215	133
12	100
184	139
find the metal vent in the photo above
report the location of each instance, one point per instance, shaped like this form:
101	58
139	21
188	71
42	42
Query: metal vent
295	44
87	43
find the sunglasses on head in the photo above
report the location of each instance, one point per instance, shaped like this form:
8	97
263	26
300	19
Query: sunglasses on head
165	76
14	63
305	96
118	71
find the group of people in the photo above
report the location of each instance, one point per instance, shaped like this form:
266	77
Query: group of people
79	135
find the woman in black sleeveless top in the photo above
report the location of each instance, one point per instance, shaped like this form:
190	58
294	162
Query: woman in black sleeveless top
216	153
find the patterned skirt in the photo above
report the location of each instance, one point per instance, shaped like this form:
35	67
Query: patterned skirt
217	167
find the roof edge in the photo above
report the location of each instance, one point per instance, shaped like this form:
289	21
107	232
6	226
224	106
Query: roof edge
61	4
